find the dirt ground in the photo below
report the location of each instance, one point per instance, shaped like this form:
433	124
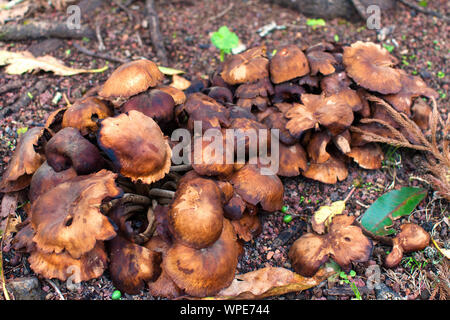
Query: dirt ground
420	41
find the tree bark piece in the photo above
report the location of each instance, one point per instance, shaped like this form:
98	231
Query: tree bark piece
42	29
155	33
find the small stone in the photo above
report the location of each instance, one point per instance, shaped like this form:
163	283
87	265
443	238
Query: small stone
27	288
270	255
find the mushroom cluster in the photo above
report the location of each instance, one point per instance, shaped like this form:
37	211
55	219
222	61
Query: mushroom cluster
106	191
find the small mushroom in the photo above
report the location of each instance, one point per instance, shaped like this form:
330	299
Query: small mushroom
196	214
177	95
258	189
330	171
260	88
322	62
68	148
68	218
344	243
25	161
317	146
293	160
248	227
276	120
369	156
132	266
288	63
371	66
125	139
411	238
131	79
84	115
206	271
421	114
287	92
234	208
54	120
220	94
248	66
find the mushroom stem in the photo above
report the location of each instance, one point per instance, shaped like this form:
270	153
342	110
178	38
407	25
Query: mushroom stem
145	236
169	184
126	198
174	176
155	192
181	167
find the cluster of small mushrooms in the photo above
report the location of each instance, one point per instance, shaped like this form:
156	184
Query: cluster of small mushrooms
105	194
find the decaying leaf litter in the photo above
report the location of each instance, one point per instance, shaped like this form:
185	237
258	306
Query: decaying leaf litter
309	200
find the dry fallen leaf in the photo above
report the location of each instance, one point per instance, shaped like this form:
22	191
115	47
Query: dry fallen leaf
444	252
322	217
10	13
270	281
21	62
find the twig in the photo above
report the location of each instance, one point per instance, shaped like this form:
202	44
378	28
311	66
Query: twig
222	13
155	192
155	33
55	287
124	8
98	55
425	11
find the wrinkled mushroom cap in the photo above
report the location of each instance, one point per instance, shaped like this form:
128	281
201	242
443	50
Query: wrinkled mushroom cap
177	95
68	216
288	63
248	66
131	265
136	145
204	272
25	161
343	243
330	171
369	156
82	113
255	188
62	265
130	79
370	66
322	62
293	159
196	215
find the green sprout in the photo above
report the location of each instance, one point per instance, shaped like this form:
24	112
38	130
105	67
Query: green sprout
21	131
353	286
315	23
440	75
388	47
224	40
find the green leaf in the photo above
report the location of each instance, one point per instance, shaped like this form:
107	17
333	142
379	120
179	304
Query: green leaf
315	22
224	39
391	206
388	47
423	3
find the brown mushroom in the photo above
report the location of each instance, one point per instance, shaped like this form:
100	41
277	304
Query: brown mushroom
330	171
288	63
68	216
54	120
125	139
258	189
234	208
411	238
68	148
260	88
248	227
317	146
293	159
196	214
84	115
369	156
287	92
344	243
45	179
130	79
421	114
220	94
25	161
63	266
249	66
276	120
177	95
132	266
322	62
371	66
206	271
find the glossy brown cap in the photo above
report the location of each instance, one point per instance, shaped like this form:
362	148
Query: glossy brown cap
288	63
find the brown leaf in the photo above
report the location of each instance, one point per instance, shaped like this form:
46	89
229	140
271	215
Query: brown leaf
270	281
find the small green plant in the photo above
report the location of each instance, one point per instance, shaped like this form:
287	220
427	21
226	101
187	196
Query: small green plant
388	47
412	263
21	131
353	286
224	40
392	158
315	23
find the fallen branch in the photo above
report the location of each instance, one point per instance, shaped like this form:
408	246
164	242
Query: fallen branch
99	55
155	33
25	99
41	29
425	11
221	14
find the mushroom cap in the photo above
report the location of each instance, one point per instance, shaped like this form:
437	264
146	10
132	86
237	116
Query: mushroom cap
288	63
164	287
220	94
63	266
24	162
177	95
261	103
234	208
317	146
411	238
287	92
322	62
132	265
421	114
68	148
256	188
276	120
248	227
155	104
412	87
130	79
125	139
248	66
369	156
82	113
370	66
68	216
343	243
54	120
261	88
23	240
251	134
196	214
292	160
204	272
329	171
45	179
